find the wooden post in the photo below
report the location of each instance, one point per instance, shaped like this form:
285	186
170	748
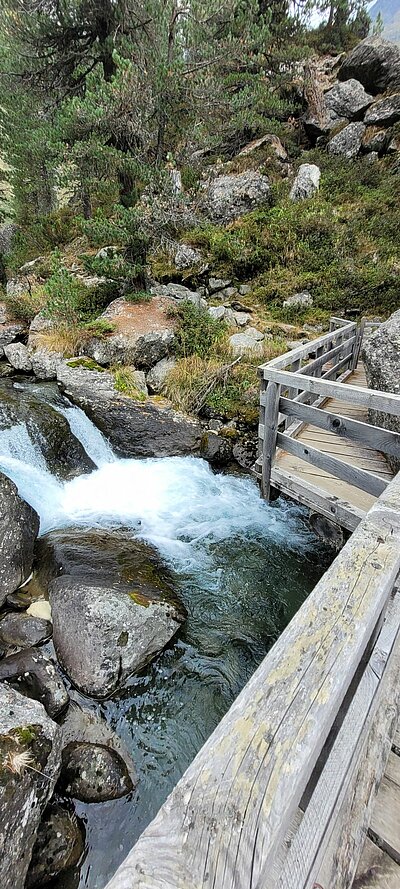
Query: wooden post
357	344
292	393
272	395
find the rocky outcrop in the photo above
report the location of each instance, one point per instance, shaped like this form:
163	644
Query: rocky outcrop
250	343
381	355
134	428
301	300
19	527
348	142
103	631
10	332
306	182
186	257
18	356
144	334
375	63
385	112
177	293
229	196
30	754
36	676
348	100
157	376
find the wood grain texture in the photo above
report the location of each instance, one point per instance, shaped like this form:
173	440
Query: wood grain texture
359	478
224	823
368	398
376	870
385	820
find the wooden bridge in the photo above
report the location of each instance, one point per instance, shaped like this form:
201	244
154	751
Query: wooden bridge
299	785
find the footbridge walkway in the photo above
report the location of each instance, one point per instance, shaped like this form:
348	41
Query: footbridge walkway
299	785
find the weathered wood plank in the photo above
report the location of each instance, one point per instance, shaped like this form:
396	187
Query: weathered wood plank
392	770
226	819
360	749
372	436
368	398
360	478
376	870
334	508
325	357
385	820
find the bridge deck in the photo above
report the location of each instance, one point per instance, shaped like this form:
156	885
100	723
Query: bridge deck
288	467
379	866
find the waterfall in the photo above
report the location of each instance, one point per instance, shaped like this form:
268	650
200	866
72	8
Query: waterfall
95	444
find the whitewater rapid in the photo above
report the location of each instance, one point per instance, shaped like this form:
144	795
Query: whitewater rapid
176	503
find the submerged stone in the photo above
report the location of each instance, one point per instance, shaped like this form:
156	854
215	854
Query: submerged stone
93	773
59	845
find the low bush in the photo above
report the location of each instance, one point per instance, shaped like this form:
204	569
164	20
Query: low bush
196	332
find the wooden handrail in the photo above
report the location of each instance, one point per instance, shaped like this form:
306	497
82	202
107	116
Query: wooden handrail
224	823
373	399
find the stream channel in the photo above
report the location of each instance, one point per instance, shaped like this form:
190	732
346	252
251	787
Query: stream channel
240	566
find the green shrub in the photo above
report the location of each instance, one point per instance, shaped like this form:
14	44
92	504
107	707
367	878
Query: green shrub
196	331
42	235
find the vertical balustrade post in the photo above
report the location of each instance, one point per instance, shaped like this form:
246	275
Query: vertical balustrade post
272	395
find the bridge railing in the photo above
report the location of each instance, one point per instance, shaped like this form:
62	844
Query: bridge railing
280	795
294	386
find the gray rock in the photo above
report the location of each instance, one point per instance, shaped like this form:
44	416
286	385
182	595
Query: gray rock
381	355
217	312
44	364
386	111
19	527
317	127
139	381
348	99
306	182
244	289
15	287
18	356
348	142
269	139
23	631
242	318
107	252
229	196
58	847
375	140
24	729
178	293
245	452
294	344
35	676
93	773
241	344
216	449
186	257
39	324
303	300
104	632
215	284
9	333
141	350
85	727
157	376
228	293
134	428
372	157
255	334
375	63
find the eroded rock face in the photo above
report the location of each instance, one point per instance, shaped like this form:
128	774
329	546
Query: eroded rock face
348	142
19	527
25	729
104	632
35	675
306	182
134	428
229	196
375	63
381	355
144	334
23	630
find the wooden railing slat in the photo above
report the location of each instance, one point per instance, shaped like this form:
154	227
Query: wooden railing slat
360	478
384	402
371	436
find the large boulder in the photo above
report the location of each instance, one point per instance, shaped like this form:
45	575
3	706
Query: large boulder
157	376
375	63
348	142
385	112
113	605
18	356
134	428
30	753
143	334
104	631
23	630
231	195
58	847
10	332
348	100
381	355
19	527
306	182
178	293
186	257
93	773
